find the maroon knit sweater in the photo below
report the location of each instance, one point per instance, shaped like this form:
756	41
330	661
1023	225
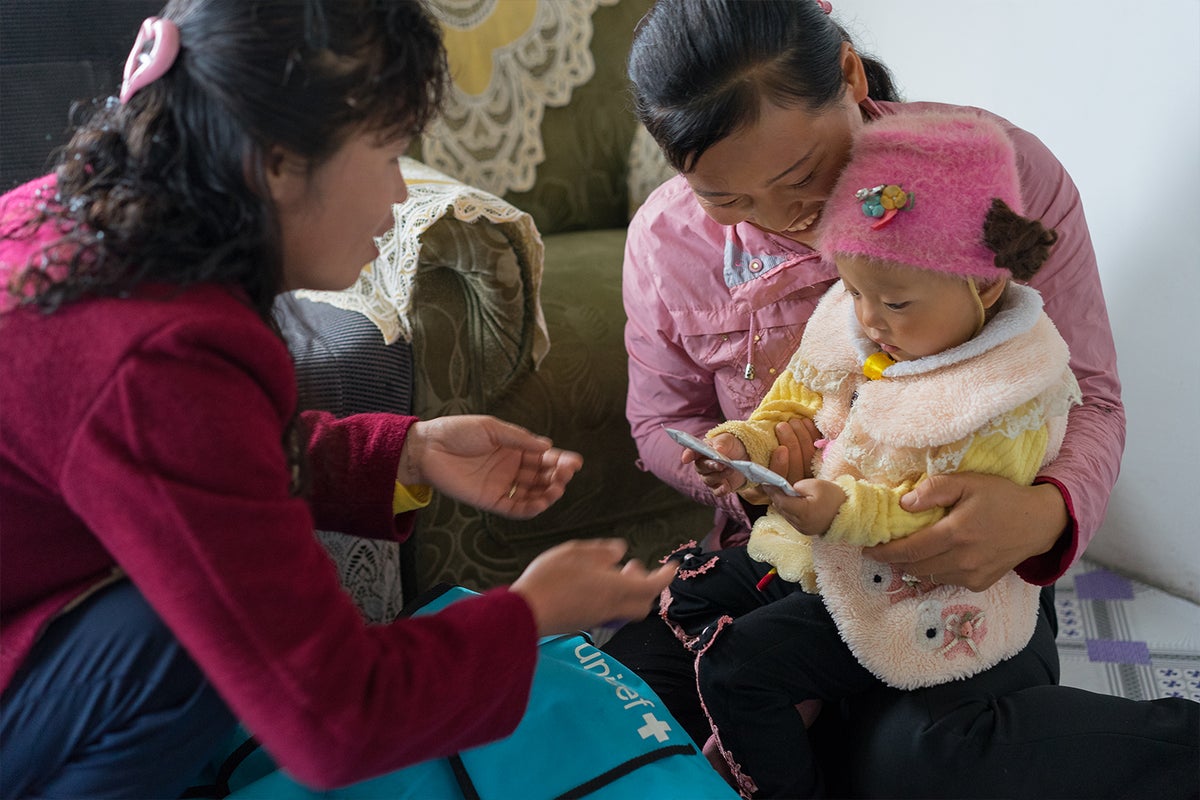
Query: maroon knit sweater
145	434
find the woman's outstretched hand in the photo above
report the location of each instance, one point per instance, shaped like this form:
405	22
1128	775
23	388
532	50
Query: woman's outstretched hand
581	584
992	526
485	462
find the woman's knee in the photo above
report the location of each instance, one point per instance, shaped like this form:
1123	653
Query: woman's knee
136	650
107	691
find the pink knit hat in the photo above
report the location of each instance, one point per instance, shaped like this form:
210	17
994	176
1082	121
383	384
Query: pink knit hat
948	167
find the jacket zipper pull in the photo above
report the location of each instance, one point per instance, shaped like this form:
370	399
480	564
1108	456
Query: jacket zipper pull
751	338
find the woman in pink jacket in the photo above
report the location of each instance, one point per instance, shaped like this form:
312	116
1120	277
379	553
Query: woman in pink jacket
755	104
158	489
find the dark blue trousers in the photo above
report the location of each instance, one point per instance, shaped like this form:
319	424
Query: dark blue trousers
108	704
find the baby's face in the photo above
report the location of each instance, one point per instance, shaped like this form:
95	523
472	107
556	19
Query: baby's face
910	313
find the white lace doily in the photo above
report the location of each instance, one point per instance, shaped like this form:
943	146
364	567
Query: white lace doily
510	59
383	292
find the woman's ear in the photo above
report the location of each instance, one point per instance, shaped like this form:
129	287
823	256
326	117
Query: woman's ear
287	176
992	293
855	73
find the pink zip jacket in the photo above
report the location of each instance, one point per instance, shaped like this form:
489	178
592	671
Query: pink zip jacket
715	312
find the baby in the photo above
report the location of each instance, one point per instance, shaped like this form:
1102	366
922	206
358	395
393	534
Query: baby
925	358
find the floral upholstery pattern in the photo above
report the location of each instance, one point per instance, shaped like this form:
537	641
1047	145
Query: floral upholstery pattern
576	396
384	290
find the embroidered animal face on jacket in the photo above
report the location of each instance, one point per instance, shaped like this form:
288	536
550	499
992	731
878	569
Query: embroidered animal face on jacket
912	632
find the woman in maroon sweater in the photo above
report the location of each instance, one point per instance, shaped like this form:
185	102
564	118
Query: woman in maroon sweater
158	490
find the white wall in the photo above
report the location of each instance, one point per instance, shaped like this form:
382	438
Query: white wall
1113	88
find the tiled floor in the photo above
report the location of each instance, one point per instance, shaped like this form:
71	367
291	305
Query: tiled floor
1119	636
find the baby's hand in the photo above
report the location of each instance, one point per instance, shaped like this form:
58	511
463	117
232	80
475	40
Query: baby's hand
792	458
729	446
720	479
813	511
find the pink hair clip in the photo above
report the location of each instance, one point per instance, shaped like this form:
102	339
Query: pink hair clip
143	68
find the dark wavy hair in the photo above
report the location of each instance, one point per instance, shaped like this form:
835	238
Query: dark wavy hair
171	188
700	69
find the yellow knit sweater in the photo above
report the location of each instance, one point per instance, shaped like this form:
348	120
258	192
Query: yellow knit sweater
872	512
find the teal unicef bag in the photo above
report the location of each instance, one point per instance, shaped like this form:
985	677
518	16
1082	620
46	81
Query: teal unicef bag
592	729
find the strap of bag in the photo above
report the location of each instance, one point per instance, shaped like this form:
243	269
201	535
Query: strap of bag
220	786
465	784
621	770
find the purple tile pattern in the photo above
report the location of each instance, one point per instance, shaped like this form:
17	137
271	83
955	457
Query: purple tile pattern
1121	637
1103	585
1118	652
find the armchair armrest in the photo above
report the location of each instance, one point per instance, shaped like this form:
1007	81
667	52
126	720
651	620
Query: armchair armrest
460	277
475	318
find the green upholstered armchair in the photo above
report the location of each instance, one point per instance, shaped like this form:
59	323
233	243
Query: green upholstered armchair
550	133
470	361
